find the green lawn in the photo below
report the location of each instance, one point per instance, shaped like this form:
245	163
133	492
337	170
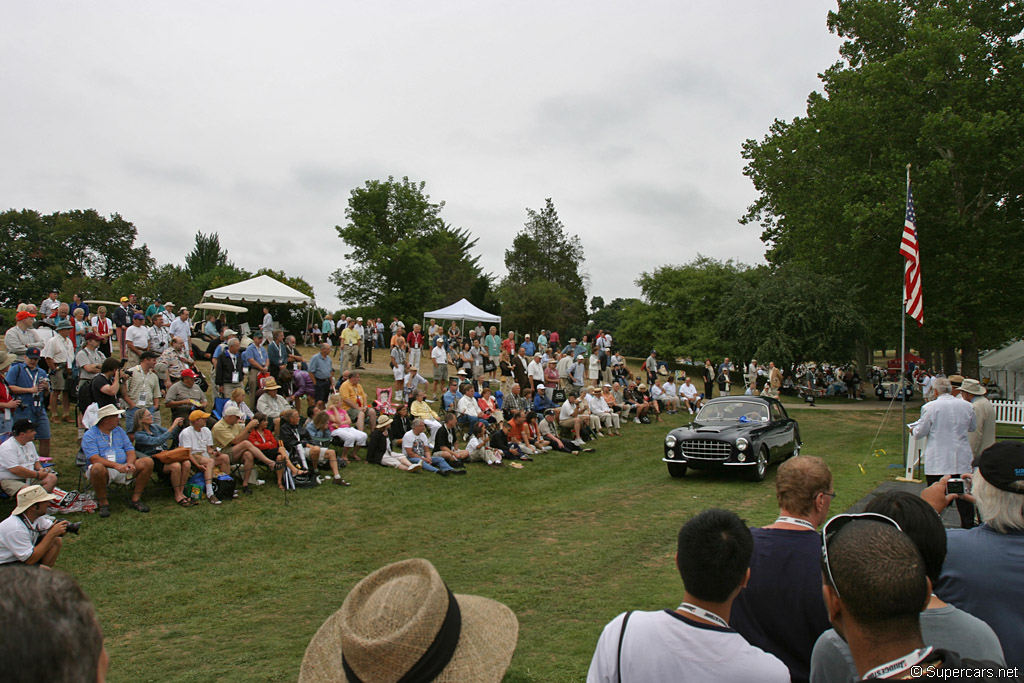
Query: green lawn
234	593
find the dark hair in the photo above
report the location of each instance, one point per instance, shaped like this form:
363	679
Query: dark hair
310	410
879	576
919	521
50	628
109	365
449	416
258	416
713	554
21	426
149	355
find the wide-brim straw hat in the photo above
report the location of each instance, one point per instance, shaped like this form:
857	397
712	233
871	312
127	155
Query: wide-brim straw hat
5	359
384	421
391	619
974	387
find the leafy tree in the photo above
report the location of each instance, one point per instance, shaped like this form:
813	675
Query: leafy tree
937	84
596	303
609	317
459	270
206	254
543	252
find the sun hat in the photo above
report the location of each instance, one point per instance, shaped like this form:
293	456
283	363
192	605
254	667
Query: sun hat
384	421
63	325
403	623
22	315
271	384
5	359
579	357
573	340
228	332
1002	465
956	380
642	387
108	411
974	387
30	495
197	415
230	411
169	303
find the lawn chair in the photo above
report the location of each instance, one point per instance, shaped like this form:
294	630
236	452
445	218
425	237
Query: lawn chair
218	408
383	404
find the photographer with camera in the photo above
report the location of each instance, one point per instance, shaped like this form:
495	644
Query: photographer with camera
29	535
19	462
29	384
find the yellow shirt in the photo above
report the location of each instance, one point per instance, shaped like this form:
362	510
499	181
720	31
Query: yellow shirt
224	434
357	396
421	410
349	336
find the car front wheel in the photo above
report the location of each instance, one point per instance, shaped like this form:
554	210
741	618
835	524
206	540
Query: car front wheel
677	469
758	471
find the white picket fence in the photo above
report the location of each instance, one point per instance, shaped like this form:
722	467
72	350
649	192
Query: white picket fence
1009	412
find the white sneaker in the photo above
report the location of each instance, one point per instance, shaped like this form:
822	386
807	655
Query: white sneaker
260	482
416	467
636	420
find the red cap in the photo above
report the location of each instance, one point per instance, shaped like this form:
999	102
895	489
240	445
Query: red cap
24	314
187	372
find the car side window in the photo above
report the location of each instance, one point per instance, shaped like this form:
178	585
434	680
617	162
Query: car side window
778	414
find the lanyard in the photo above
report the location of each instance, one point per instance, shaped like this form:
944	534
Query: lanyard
897	666
702	613
793	520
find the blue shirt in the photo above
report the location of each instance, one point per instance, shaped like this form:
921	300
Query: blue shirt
19	375
210	328
114	446
530	347
320	367
256	353
449	399
541	402
84	306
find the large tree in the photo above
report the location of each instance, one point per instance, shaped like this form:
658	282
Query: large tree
936	84
542	252
206	254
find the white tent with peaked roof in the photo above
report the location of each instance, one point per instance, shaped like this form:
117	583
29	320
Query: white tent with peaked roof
463	310
260	289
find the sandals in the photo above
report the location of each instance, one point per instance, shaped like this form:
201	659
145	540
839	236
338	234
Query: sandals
184	502
341	482
213	499
138	505
103	510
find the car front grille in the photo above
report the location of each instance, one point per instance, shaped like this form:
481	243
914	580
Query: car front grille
706	449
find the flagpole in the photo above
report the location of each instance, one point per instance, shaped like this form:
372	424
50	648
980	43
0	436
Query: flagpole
903	365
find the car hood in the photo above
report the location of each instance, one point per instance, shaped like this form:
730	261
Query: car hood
718	429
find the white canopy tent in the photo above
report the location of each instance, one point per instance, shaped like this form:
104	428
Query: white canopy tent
1005	367
462	311
260	289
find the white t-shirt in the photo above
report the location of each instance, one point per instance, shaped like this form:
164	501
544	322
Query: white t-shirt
18	540
438	354
566	411
409	441
13	454
469	406
61	350
666	646
670	390
138	336
196	442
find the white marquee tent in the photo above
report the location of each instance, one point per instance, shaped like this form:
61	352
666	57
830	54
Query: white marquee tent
462	311
1005	366
260	289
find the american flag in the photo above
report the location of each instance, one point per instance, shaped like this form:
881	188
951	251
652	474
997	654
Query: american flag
912	298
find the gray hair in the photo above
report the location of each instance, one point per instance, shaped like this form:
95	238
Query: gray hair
1001	510
942	385
418	422
234	342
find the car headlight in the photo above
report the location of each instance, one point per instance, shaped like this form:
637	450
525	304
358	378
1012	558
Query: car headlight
741	444
670	441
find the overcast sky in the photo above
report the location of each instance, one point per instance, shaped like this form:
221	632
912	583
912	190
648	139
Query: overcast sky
256	119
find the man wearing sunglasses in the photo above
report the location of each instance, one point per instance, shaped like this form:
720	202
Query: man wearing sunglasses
693	642
781	610
875	588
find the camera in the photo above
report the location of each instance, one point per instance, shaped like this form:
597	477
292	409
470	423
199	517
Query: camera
73	527
956	485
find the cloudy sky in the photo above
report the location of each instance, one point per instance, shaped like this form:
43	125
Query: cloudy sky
256	119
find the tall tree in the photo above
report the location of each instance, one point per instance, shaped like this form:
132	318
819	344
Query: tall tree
938	84
458	269
206	255
543	252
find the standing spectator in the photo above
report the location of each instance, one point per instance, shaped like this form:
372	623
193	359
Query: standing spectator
414	342
528	346
508	344
159	335
31	537
327	329
350	345
695	641
651	366
268	324
228	375
984	434
77	303
439	359
781	610
492	342
322	371
19	461
398	367
946	422
181	326
295	359
50	305
21	336
751	378
79	328
136	339
277	353
112	459
725	377
122	320
535	372
361	334
981	574
155	309
59	354
103	327
173	361
708	376
255	357
29	384
143	390
369	337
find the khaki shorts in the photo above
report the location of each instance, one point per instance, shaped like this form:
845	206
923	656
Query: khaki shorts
113	476
12	486
441	373
57	381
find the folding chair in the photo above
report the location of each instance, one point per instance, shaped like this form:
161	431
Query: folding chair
218	408
383	403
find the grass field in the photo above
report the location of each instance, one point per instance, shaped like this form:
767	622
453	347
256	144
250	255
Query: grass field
234	593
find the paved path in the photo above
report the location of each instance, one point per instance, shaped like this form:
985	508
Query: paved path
950	517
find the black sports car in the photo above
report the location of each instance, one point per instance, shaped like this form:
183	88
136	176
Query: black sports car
746	432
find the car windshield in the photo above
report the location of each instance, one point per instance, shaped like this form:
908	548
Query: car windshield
733	411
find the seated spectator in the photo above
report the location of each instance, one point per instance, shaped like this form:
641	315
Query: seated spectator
689	396
184	396
600	409
467	409
547	428
297	441
353	398
671	395
198	439
418	407
501	441
296	384
151	440
400	600
451	397
19	462
272	404
551	377
875	588
444	443
401	423
237	401
515	400
477	449
111	458
30	536
340	428
542	400
519	435
378	449
713	558
231	436
414	445
533	430
981	574
942	625
645	404
414	381
781	610
571	418
264	439
489	406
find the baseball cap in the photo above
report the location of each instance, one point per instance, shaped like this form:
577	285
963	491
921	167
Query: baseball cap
22	315
29	496
1002	465
92	336
196	415
228	412
123	299
32	353
138	316
187	372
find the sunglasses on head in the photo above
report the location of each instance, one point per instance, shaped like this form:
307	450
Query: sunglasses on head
833	526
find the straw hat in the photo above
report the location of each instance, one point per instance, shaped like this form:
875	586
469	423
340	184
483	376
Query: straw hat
402	617
383	421
108	411
271	384
30	495
974	387
5	359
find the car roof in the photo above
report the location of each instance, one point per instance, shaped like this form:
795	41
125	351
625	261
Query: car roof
762	400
